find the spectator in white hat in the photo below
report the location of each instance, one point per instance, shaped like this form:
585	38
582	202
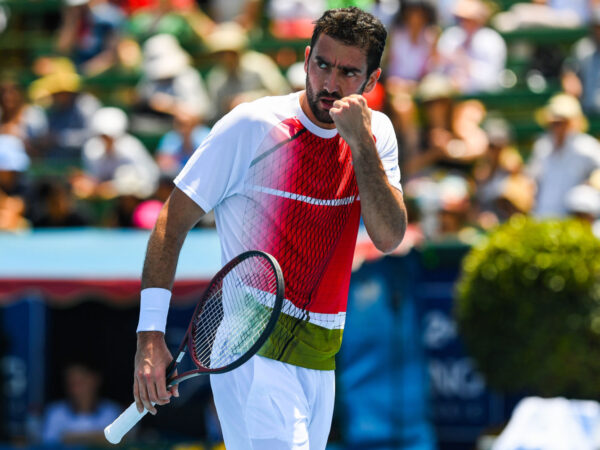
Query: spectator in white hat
113	157
170	83
583	201
563	157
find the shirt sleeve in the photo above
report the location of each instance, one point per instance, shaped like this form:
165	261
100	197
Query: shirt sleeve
52	427
217	168
387	147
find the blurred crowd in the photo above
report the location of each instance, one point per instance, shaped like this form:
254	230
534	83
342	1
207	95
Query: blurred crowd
73	155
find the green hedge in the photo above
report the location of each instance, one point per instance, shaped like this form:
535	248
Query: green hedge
528	308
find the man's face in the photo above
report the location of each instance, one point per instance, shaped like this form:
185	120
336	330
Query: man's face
559	128
333	71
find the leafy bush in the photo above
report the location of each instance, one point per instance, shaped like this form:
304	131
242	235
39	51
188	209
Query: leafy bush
528	308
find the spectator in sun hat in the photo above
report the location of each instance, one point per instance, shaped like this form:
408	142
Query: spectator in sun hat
69	111
470	53
240	74
13	185
112	156
563	157
169	83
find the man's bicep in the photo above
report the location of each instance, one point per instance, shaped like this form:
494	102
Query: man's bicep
180	212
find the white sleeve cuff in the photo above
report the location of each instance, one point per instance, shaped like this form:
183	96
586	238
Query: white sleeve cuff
154	307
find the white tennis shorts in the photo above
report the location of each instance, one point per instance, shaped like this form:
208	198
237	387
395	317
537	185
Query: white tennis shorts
270	405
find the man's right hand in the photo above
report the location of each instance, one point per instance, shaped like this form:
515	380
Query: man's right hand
151	360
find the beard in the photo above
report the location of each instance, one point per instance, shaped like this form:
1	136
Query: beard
322	115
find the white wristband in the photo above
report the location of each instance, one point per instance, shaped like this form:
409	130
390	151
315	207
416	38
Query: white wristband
154	307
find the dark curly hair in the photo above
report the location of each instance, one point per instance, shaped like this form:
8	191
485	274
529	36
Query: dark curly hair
353	26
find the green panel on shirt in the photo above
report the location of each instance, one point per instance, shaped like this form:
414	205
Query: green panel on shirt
298	342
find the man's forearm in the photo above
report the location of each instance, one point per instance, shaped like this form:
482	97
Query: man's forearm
382	205
176	218
161	259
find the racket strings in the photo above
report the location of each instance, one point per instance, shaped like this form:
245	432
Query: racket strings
235	313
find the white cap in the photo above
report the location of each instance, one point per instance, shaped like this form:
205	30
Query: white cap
76	2
12	154
227	36
583	199
110	121
164	57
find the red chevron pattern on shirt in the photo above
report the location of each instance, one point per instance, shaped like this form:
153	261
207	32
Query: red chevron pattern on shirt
305	212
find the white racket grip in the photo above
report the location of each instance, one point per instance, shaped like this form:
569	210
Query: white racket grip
122	424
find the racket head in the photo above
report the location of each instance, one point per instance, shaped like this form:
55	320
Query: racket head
237	313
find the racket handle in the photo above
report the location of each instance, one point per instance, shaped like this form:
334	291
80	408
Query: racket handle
122	424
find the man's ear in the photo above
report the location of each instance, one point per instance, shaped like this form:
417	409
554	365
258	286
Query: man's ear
372	80
306	56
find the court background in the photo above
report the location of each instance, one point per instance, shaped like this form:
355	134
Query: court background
404	379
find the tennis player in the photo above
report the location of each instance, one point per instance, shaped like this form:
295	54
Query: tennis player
290	175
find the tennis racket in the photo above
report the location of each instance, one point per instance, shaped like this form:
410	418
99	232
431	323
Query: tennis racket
231	322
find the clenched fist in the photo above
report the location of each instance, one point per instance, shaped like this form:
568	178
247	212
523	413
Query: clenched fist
352	118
